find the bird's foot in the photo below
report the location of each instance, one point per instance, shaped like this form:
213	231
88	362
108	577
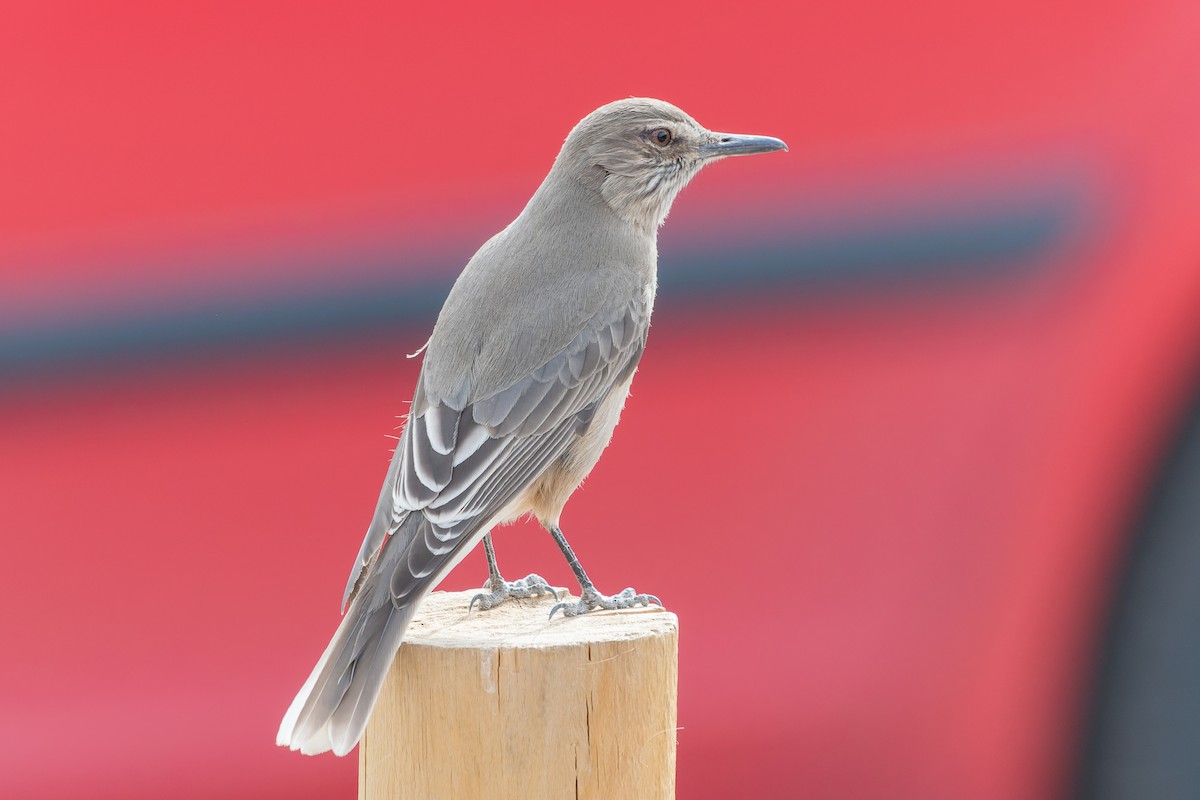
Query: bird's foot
590	599
500	590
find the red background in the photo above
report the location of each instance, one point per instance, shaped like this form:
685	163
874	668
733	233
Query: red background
888	511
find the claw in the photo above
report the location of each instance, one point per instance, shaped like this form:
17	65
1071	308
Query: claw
590	599
544	587
529	586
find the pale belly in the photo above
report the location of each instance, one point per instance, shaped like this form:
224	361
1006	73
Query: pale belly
546	497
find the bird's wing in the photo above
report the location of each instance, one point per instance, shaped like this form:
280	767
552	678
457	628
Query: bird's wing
461	467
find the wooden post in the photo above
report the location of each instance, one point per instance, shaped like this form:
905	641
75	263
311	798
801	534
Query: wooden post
509	704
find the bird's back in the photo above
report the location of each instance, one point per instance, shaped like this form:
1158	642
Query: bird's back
530	290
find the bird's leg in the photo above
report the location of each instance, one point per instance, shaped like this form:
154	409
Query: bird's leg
500	589
589	598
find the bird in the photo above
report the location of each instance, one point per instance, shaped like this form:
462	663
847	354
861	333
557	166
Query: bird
521	385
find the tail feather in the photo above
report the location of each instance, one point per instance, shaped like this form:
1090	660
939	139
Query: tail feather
349	719
332	708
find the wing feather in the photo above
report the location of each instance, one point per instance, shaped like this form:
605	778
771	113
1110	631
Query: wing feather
460	467
441	424
432	468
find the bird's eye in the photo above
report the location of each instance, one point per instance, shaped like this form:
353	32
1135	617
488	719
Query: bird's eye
661	137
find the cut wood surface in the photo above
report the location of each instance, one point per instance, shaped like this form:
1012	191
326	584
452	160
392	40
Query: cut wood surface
507	703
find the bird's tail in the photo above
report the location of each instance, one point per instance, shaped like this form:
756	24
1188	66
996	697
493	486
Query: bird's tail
331	710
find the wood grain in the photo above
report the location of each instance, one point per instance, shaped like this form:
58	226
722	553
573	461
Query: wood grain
508	704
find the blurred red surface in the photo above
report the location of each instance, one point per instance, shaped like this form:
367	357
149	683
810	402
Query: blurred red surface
888	519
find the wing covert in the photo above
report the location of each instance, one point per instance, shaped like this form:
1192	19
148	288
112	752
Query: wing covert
460	467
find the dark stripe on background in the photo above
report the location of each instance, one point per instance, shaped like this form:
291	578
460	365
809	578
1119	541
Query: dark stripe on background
933	249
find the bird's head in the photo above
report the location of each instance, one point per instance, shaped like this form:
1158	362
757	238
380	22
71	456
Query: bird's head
641	152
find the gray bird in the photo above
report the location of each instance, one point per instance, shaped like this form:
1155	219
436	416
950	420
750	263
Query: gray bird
521	386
